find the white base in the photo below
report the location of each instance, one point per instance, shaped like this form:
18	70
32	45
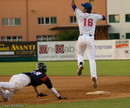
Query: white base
98	92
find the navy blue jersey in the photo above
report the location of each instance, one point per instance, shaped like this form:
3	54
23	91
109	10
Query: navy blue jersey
38	78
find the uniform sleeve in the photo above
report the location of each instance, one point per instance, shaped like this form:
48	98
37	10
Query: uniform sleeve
78	13
48	83
100	17
104	18
74	7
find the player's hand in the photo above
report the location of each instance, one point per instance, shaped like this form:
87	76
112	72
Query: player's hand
62	97
41	95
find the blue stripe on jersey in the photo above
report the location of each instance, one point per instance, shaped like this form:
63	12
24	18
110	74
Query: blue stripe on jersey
104	18
74	7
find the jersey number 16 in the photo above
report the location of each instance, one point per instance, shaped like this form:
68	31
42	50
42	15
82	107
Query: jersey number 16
90	22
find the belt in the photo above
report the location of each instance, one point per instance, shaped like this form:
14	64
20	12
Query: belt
82	35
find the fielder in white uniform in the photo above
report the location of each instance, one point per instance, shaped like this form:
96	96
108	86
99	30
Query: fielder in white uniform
87	22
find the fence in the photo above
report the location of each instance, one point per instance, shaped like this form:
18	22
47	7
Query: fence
62	50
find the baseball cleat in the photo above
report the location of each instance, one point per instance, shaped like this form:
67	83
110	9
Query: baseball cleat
95	83
2	95
80	70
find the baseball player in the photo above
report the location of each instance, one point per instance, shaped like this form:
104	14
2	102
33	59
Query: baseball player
34	78
87	22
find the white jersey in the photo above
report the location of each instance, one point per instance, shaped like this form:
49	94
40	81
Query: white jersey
87	21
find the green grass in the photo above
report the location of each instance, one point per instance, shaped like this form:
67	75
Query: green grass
104	68
113	67
103	103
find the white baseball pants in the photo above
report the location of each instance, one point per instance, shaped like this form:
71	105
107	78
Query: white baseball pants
16	82
86	42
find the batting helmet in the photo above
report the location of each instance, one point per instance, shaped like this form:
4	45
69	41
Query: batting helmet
42	67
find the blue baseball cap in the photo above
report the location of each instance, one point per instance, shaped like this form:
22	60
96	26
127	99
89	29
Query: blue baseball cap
87	5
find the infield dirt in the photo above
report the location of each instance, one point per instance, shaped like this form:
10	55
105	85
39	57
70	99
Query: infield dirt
74	88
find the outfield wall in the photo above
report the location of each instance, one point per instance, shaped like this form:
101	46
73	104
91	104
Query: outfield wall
18	51
62	50
111	49
66	50
56	51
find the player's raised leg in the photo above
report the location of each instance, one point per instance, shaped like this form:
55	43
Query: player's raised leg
81	67
6	95
80	51
7	85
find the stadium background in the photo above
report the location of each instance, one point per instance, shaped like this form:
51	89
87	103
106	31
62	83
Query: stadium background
24	37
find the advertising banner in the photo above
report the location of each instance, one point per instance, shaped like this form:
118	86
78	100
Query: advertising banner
122	48
104	50
18	49
55	51
67	50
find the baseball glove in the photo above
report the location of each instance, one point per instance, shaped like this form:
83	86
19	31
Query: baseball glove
41	95
62	97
